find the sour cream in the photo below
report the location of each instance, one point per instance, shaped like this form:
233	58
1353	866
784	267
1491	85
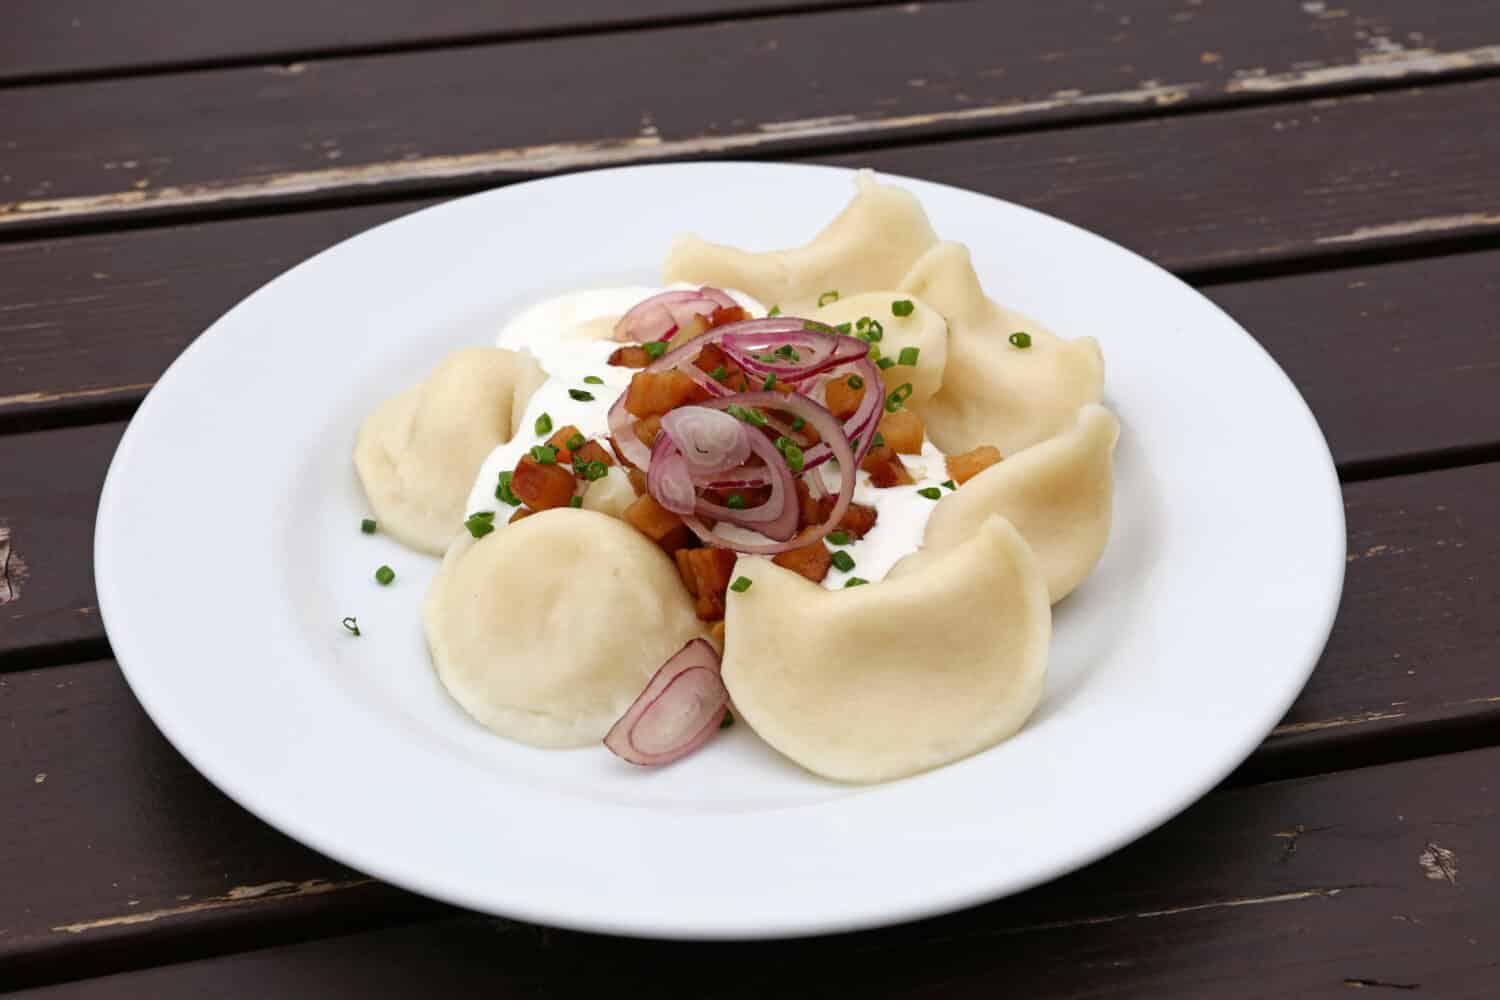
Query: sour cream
570	338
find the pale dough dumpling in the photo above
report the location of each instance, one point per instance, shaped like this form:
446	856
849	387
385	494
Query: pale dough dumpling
418	452
924	329
545	632
993	392
886	680
1059	495
869	245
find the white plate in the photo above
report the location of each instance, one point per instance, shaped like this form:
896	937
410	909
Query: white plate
228	549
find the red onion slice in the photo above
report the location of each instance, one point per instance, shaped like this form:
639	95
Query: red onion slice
669	480
679	711
622	428
710	440
659	317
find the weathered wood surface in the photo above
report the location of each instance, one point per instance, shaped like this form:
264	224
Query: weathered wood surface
471	116
121	827
1377	878
51	39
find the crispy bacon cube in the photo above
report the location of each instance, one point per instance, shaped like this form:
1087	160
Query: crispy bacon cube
705	572
811	561
962	468
657	523
886	468
542	487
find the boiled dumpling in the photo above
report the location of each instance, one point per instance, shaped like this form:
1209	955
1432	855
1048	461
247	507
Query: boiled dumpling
1058	494
993	392
418	452
869	245
886	680
924	329
545	632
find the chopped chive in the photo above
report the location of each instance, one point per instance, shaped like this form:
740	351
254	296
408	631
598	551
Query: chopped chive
575	441
591	471
740	584
1021	339
480	525
774	312
503	492
735	502
483	515
950	484
384	575
654	349
885	363
855	581
863	324
368	526
854	443
770	382
719	374
798	423
843	328
787	351
752	417
878	441
816	327
352	624
727	721
869	329
792	452
838	537
575	502
581	395
902	307
544	424
930	492
855	382
898	398
828	297
593	380
908	356
544	454
875	354
843	560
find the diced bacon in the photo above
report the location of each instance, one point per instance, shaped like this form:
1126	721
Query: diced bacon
842	398
637	480
646	430
542	487
657	523
560	442
857	520
632	356
886	468
716	635
725	315
811	561
593	451
654	393
705	573
903	431
811	513
520	514
712	358
962	468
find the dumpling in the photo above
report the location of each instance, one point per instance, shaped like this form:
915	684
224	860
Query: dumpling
418	452
1058	494
994	393
545	632
869	245
886	680
924	329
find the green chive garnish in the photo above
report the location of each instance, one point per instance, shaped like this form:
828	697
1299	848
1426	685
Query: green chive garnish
908	356
774	311
575	502
591	471
770	382
752	417
930	492
352	624
828	297
787	351
902	307
593	380
950	484
792	452
503	492
843	560
1021	339
581	395
798	423
843	328
885	363
727	721
575	442
735	502
740	584
855	581
878	441
544	454
838	537
368	526
863	324
719	374
855	382
898	398
480	524
384	575
655	349
544	424
869	329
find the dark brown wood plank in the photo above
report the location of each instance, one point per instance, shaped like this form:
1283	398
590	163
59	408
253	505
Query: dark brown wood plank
122	827
48	39
1383	877
200	141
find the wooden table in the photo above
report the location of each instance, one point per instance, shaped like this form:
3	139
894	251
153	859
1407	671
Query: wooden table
1327	171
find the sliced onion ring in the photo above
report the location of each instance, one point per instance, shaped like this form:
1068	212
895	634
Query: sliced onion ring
660	316
679	711
710	440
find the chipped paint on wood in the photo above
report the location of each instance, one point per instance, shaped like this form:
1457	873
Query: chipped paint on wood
1372	66
1217	904
30	398
10	582
1346	720
1414	227
238	896
1439	864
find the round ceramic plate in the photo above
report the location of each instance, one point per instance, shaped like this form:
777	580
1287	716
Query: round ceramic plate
228	551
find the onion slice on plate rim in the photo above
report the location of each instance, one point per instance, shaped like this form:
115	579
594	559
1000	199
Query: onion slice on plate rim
679	711
660	316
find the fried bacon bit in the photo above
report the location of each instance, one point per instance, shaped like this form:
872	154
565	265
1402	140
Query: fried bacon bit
560	442
705	573
542	487
632	356
811	513
857	520
655	522
716	635
811	561
886	468
962	468
687	331
646	430
712	359
653	393
637	479
842	398
592	451
903	431
521	514
724	315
